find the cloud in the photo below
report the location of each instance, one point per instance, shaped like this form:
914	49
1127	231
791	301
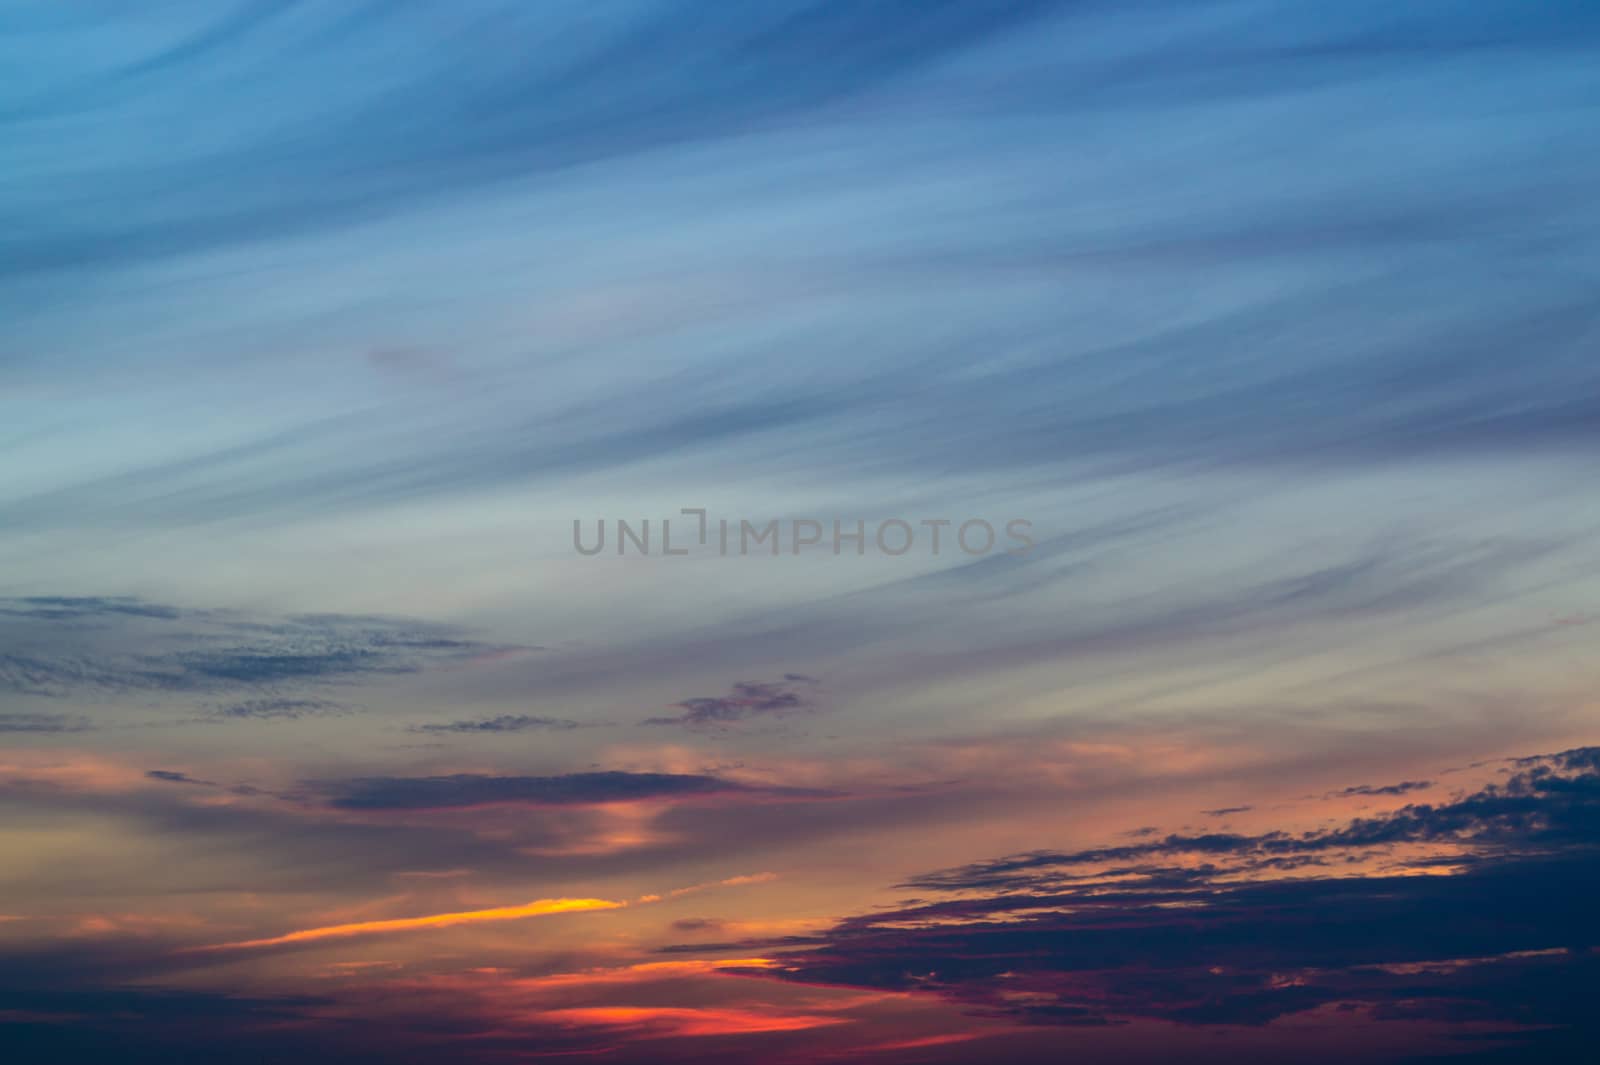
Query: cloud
1288	313
1325	309
748	699
172	776
277	709
78	608
745	880
109	646
503	723
317	159
42	723
571	789
1077	938
1401	788
537	908
1531	807
665	1021
249	791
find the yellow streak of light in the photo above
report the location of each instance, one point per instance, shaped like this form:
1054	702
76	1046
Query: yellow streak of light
537	908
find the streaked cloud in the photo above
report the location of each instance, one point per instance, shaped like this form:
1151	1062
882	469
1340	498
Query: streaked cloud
278	709
103	646
503	723
537	908
569	789
1401	788
42	723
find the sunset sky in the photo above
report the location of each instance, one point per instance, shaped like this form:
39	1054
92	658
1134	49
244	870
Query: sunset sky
1261	336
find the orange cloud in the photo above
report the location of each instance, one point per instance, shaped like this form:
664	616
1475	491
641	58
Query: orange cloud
678	1021
732	881
923	1042
644	972
537	908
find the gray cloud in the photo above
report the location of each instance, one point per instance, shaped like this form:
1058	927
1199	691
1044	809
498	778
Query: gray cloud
1401	788
42	723
172	776
108	646
747	699
503	723
73	608
277	709
569	789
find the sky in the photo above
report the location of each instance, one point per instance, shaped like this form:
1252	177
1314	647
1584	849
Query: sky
800	531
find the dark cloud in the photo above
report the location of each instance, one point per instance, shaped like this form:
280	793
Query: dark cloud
88	1003
1223	811
81	1018
42	723
1065	938
571	789
172	776
278	709
55	673
503	723
748	699
1536	805
75	608
1387	789
107	646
